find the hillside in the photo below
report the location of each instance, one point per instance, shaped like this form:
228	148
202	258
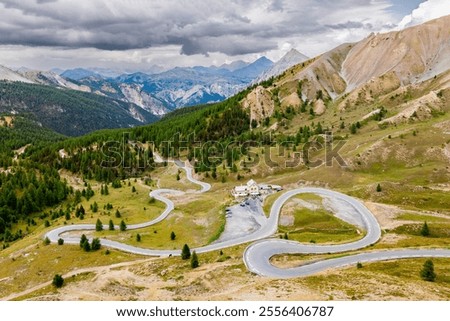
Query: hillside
19	134
69	112
354	74
309	99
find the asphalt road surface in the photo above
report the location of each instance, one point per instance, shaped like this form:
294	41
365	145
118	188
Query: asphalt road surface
257	255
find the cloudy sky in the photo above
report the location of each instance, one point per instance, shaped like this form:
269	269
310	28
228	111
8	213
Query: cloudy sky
136	34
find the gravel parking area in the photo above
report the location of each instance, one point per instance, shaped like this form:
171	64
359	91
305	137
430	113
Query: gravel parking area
243	219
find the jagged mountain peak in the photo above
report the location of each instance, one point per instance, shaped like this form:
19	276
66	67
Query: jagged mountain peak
235	65
293	54
291	58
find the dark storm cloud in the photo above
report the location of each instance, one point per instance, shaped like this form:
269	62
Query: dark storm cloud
198	27
231	46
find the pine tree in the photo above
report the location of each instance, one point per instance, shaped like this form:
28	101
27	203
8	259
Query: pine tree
46	241
95	207
60	241
86	246
133	189
185	252
427	272
111	225
172	235
83	240
286	237
194	260
118	215
89	192
123	226
77	197
379	188
425	231
116	183
138	237
58	281
319	129
99	225
96	245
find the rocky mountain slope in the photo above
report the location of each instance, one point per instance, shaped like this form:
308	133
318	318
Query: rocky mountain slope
10	75
69	112
52	79
352	75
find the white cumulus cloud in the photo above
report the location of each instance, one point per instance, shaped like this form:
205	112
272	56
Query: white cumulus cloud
426	11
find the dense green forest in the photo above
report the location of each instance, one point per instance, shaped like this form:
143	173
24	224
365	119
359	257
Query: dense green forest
69	112
26	187
20	132
26	191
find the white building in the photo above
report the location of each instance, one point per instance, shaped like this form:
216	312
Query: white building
253	189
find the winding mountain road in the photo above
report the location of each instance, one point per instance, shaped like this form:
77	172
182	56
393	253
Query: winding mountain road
257	255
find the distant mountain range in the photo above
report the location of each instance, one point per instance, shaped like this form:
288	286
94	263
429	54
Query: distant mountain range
162	92
155	91
138	98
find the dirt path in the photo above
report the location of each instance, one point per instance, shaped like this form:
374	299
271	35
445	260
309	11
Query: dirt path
97	270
